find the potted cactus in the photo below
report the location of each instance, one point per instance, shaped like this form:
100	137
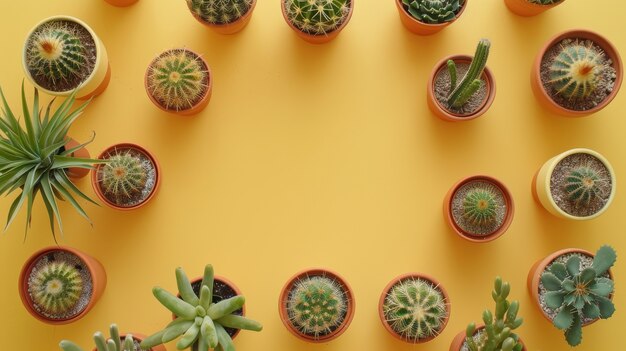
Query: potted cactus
316	305
576	73
222	16
117	342
577	184
201	319
129	178
62	54
179	81
478	208
453	99
59	285
426	17
531	7
573	288
317	21
497	332
414	308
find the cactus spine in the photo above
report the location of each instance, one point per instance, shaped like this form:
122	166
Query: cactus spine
479	206
317	17
56	288
471	82
124	176
575	72
219	12
115	343
433	11
582	184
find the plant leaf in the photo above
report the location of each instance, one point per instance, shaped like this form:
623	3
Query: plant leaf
564	318
550	281
604	259
574	335
573	265
554	299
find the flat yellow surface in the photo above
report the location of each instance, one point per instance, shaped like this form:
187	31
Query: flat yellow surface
318	156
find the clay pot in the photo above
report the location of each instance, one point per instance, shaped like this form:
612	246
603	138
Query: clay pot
317	39
99	78
121	3
542	95
139	338
459	339
421	28
541	184
391	284
98	278
440	110
527	8
447	209
100	193
75	172
284	295
230	28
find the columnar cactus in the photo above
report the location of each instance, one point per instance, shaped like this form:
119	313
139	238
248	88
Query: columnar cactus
498	333
415	309
219	12
317	17
124	176
471	82
433	11
576	70
199	320
479	206
316	305
112	344
579	294
56	287
583	184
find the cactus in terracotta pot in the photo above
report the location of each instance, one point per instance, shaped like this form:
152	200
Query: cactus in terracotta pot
56	288
317	17
575	72
471	82
219	12
115	343
433	11
479	205
124	176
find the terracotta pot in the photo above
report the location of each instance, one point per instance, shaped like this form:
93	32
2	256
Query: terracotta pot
440	110
100	194
139	338
447	209
541	184
534	277
99	78
526	8
75	172
121	3
421	28
459	339
391	284
230	28
98	278
317	39
284	294
200	105
542	95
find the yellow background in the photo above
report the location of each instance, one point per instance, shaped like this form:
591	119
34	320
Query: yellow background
318	156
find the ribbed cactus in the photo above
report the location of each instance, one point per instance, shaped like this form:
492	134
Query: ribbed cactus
177	79
219	11
479	205
316	305
471	82
56	287
576	70
124	176
415	309
317	17
583	184
498	333
433	11
545	2
114	343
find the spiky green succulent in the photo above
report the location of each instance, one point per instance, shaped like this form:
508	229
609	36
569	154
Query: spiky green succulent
471	82
316	305
199	320
578	294
124	176
576	70
317	17
114	343
545	2
56	288
415	309
177	79
498	333
219	12
479	205
582	184
433	11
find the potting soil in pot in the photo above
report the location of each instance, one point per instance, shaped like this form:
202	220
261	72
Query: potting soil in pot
458	209
443	89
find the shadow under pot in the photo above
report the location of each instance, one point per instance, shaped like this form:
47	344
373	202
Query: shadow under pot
414	308
225	17
576	73
316	305
129	179
179	81
478	208
528	8
317	21
62	54
577	184
429	17
459	342
59	285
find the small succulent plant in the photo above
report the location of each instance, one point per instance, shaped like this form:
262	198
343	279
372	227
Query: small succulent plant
579	294
199	320
115	343
471	82
498	333
479	206
316	305
545	2
583	184
415	309
124	176
317	17
433	11
56	288
576	70
219	12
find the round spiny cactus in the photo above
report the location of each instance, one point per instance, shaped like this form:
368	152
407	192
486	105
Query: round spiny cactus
56	288
317	17
124	176
219	12
415	309
177	79
583	184
433	11
317	305
479	205
575	72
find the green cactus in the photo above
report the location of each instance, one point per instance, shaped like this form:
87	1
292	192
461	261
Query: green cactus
415	309
498	333
199	320
545	2
177	79
316	305
433	11
471	82
124	176
479	206
219	12
583	184
577	294
576	70
317	17
56	288
115	343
